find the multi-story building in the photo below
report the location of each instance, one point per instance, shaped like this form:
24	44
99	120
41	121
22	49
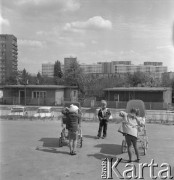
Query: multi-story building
110	69
91	68
121	67
8	56
68	61
48	69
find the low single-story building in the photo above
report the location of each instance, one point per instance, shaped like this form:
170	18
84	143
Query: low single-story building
160	97
39	94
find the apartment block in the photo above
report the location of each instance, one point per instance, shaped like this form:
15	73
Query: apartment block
8	56
48	69
91	68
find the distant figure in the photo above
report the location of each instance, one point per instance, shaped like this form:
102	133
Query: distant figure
103	116
130	124
73	115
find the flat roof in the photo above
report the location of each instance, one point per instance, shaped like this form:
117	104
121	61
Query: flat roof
40	86
138	89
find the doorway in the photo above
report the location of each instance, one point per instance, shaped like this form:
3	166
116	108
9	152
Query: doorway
22	97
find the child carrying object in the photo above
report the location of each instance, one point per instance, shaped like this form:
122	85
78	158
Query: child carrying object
103	116
129	128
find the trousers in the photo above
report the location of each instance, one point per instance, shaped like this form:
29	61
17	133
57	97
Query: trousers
102	126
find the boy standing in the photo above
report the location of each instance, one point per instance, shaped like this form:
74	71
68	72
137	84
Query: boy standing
103	116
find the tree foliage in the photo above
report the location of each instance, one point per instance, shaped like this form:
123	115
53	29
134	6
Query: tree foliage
74	76
57	70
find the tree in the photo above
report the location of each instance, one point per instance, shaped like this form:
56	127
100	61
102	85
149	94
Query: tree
137	79
24	77
166	81
74	76
57	70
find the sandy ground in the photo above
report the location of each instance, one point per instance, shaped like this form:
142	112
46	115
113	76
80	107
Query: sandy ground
30	151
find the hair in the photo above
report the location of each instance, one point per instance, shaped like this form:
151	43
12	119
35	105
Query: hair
135	110
103	102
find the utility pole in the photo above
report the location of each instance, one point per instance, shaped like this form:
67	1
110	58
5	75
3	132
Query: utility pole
26	91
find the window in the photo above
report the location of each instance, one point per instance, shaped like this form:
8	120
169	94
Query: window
38	94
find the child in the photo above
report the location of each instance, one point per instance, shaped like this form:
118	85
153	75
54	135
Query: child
103	116
130	123
73	122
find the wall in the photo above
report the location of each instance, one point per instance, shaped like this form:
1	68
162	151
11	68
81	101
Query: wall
167	96
145	96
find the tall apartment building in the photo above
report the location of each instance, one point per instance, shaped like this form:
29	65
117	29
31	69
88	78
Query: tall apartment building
48	69
68	61
8	56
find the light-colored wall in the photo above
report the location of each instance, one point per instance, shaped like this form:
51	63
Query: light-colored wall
167	96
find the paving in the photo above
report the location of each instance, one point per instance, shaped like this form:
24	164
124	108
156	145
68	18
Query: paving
30	151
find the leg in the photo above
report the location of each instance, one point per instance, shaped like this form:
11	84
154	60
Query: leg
70	145
75	142
105	124
100	129
70	141
128	141
134	142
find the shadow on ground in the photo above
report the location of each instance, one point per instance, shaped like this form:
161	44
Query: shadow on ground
107	151
90	137
50	142
50	150
50	145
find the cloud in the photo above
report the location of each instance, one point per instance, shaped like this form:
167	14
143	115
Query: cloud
167	47
59	5
31	43
4	21
94	42
70	42
96	23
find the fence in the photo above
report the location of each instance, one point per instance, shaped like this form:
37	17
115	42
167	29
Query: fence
32	101
123	104
152	116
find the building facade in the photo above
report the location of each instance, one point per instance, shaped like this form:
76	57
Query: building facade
121	67
110	69
153	97
48	69
38	94
8	56
91	68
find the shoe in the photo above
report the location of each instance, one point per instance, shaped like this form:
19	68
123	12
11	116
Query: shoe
129	161
70	153
73	153
137	160
103	137
98	137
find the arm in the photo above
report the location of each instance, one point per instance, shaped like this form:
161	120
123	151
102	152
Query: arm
123	115
140	122
108	114
65	111
99	115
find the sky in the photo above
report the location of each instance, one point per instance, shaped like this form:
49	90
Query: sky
91	30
